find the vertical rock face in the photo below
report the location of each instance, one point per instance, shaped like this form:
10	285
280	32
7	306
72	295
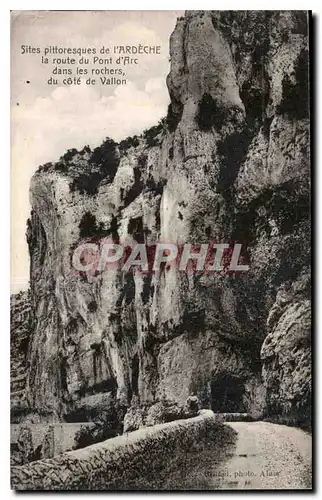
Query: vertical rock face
21	327
229	163
286	353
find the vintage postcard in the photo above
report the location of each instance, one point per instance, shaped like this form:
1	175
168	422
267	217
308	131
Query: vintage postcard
160	277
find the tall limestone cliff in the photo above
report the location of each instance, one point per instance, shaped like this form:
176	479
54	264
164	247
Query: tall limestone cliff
229	163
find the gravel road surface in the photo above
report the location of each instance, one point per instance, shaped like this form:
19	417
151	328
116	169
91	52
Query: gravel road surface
264	456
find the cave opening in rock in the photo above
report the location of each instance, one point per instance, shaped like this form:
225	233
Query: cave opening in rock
227	393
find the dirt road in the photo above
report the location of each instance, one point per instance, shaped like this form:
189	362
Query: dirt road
264	456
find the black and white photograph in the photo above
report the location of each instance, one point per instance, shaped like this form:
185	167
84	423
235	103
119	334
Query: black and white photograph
161	234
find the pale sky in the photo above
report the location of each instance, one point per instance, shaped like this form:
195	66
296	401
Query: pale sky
47	120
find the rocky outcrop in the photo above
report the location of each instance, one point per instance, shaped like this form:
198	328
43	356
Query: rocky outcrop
286	354
160	412
20	328
229	163
31	441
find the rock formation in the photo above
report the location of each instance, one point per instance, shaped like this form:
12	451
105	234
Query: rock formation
229	163
20	327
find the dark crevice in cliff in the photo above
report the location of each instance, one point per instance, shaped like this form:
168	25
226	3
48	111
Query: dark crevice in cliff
174	114
147	289
193	322
103	386
135	189
295	96
36	240
135	369
135	229
232	151
89	228
63	374
129	288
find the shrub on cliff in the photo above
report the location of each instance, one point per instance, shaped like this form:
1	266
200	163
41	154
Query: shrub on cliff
92	433
88	227
107	157
46	167
68	156
129	142
152	135
103	164
107	424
